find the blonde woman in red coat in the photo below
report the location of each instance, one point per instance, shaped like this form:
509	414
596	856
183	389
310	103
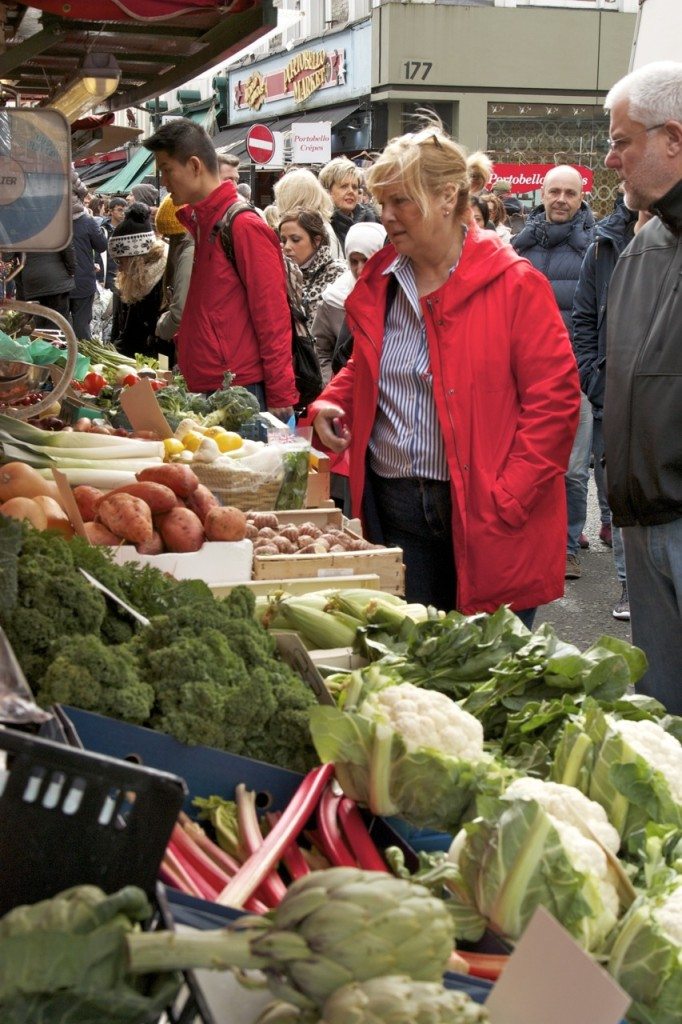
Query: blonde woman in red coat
461	399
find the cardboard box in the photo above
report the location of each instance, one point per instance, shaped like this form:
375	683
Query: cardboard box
217	562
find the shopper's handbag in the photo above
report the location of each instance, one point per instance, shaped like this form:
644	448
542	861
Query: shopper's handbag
307	371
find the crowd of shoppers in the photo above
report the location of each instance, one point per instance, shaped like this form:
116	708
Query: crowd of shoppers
475	355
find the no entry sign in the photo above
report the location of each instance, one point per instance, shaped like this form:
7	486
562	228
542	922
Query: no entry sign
260	144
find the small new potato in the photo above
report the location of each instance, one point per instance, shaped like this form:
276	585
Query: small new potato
181	530
225	523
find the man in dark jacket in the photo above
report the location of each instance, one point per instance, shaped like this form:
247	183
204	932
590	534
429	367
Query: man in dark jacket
643	396
88	238
48	278
613	233
555	240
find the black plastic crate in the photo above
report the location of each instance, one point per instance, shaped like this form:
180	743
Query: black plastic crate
70	817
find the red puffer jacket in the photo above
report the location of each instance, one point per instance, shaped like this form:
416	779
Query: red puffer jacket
507	396
230	325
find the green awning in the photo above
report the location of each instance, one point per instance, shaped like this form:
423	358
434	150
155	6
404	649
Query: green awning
141	165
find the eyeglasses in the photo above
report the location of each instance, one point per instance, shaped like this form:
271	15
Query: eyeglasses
618	145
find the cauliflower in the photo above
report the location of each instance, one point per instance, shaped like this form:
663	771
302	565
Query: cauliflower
655	745
668	917
426	718
537	848
568	805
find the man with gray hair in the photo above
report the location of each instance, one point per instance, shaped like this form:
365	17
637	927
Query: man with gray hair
643	397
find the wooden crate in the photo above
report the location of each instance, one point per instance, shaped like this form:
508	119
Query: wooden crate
386	563
261	588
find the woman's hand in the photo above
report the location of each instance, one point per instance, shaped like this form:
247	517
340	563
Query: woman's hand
328	427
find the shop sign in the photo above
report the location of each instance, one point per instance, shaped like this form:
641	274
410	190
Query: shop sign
311	142
529	177
305	73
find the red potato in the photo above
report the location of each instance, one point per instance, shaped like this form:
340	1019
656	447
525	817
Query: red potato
159	497
201	501
154	546
181	480
225	523
98	535
87	499
181	530
128	517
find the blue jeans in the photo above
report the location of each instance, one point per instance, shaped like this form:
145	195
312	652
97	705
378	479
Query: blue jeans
654	563
598	452
618	553
577	476
415	515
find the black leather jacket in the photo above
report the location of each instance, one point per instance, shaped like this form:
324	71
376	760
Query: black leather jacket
643	398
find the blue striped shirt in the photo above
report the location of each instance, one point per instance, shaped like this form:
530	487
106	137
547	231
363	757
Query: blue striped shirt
406	439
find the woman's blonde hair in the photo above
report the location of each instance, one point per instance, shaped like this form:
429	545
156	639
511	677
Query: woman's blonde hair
423	163
338	170
271	214
132	279
299	188
480	169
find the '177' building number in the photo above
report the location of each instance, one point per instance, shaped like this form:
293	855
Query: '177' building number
417	69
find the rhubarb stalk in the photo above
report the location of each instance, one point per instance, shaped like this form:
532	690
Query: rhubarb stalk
333	843
271	888
293	819
358	837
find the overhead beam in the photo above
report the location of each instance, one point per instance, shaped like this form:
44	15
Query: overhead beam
15	56
227	37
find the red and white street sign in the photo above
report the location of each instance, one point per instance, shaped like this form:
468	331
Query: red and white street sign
260	144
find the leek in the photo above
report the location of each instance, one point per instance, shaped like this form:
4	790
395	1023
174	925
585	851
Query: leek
95	476
19	431
151	450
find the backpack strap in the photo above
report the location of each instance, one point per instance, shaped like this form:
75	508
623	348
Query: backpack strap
224	227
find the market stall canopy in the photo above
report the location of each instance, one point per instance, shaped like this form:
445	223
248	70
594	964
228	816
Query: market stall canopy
157	44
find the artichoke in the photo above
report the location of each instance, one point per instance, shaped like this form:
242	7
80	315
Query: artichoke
333	927
395	999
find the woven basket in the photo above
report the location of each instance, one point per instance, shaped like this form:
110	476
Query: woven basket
239	487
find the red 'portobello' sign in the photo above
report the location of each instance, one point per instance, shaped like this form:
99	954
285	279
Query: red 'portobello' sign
529	177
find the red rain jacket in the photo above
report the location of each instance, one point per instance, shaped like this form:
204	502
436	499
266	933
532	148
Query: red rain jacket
507	395
225	325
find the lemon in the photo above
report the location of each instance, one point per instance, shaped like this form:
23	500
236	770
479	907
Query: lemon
172	446
214	431
229	441
192	440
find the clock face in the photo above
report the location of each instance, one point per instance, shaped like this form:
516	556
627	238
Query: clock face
35	180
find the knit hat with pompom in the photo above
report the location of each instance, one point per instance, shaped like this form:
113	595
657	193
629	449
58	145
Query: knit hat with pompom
134	235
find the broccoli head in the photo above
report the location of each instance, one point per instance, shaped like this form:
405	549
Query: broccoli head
204	692
88	674
50	605
285	739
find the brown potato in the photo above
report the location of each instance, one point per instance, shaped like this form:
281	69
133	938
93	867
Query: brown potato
98	534
181	530
251	531
181	479
261	519
159	497
87	498
225	523
201	501
153	546
267	549
126	516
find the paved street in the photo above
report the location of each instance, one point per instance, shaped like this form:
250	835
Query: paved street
584	613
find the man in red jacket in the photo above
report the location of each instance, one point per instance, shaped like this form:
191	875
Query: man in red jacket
235	318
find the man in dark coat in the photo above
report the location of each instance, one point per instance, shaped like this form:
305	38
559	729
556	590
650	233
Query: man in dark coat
643	396
555	240
613	233
88	238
